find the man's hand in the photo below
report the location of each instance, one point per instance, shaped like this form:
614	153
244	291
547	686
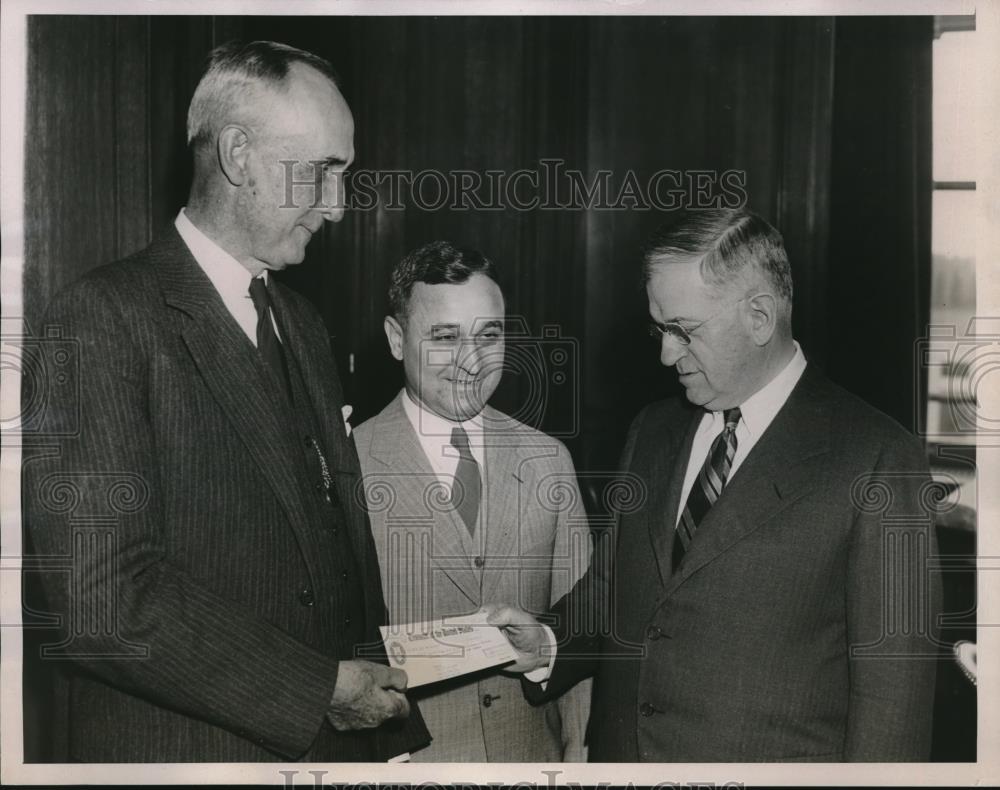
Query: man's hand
524	632
366	695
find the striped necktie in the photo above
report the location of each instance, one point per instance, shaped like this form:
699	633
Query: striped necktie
467	488
707	486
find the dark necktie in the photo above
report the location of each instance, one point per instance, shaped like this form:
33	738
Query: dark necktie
467	489
267	341
707	486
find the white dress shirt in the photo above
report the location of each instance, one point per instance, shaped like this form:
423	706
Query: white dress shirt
434	434
756	414
230	277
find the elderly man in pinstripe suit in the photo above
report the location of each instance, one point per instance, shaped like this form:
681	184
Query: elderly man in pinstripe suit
226	607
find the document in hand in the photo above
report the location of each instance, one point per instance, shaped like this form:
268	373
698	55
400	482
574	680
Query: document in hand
440	649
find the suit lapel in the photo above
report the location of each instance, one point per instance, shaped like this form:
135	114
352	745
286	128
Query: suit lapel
325	398
233	372
498	530
311	358
666	481
416	490
782	466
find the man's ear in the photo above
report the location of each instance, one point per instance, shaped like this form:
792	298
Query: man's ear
394	334
234	149
762	313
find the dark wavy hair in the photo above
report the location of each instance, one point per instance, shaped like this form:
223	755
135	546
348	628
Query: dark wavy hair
435	263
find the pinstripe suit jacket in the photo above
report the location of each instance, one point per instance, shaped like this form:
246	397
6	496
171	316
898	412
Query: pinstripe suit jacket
531	544
198	612
800	625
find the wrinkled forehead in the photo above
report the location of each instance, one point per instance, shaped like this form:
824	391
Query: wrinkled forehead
468	305
677	281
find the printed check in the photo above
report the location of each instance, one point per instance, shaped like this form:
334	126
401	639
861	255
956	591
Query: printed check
446	648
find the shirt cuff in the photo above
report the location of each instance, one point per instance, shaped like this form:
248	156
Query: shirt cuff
542	674
400	758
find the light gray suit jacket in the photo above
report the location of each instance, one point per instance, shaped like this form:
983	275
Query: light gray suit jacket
530	546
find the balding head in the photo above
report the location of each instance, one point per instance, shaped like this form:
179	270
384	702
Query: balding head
241	81
271	137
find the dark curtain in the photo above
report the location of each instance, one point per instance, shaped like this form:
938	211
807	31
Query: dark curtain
827	118
880	212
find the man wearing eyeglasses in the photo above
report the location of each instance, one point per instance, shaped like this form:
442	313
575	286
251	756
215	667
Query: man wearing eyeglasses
469	506
769	600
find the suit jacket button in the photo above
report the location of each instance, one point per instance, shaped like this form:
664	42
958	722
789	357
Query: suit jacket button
653	633
306	597
646	709
479	562
488	699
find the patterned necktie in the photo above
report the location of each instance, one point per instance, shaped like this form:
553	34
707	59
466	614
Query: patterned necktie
707	486
267	340
467	488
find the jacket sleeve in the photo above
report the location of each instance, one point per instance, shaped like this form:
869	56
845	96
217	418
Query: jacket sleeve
893	602
582	616
573	548
138	622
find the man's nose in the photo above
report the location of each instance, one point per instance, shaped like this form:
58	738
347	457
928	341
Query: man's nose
469	358
333	198
333	213
474	358
671	350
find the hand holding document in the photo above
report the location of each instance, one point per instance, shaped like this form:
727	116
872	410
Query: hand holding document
446	648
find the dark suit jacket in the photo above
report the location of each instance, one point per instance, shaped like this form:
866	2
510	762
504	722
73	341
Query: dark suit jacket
799	625
199	613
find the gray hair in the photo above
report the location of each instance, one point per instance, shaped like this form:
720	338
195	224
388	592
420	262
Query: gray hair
726	242
234	71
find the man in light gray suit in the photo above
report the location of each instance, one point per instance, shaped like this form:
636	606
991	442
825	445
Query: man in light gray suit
469	506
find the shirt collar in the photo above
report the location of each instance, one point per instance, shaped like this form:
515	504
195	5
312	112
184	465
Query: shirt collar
433	428
760	409
230	277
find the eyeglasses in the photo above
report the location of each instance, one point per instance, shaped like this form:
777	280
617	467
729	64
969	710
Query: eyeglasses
681	333
671	328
